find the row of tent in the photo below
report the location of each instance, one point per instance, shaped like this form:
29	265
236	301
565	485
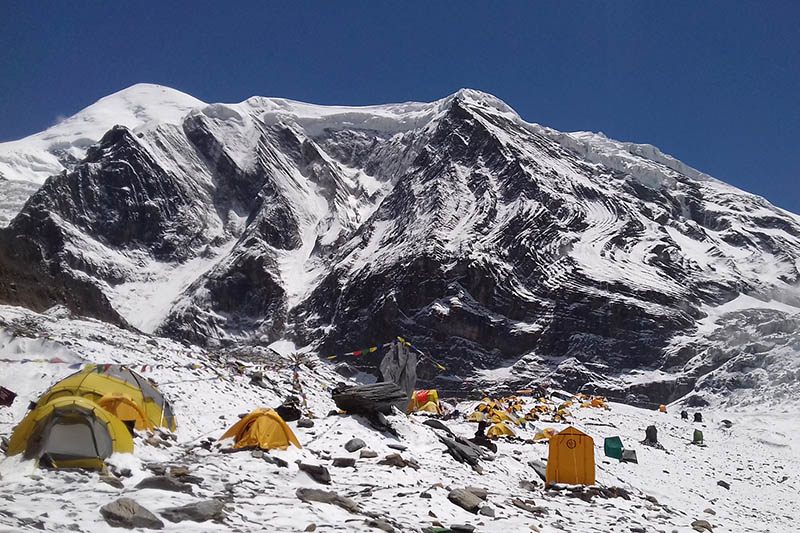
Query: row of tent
86	417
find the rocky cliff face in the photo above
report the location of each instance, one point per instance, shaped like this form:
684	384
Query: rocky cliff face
490	241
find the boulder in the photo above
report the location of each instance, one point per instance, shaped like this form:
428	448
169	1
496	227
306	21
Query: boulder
354	444
437	424
366	399
702	525
540	467
126	513
164	483
479	492
305	423
318	473
323	496
368	454
344	462
383	525
465	499
196	512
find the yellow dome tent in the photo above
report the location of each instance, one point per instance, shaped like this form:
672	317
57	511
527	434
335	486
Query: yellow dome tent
70	431
430	407
95	381
420	400
123	407
499	430
477	416
501	416
547	433
571	458
263	428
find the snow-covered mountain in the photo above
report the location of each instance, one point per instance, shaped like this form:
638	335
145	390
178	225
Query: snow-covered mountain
510	250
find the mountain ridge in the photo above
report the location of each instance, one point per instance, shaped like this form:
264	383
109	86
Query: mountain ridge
486	238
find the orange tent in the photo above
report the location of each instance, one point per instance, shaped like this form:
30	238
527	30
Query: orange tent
662	408
571	458
263	428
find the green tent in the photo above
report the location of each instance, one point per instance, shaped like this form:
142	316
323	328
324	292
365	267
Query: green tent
613	447
698	436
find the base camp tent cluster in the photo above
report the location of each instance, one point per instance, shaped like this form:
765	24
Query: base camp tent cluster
86	417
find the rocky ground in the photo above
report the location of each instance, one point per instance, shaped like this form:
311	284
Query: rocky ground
745	478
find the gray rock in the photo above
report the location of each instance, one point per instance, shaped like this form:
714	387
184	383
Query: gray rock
196	512
702	525
528	485
354	445
305	423
126	513
383	525
530	508
257	454
373	398
437	424
479	492
368	454
277	461
724	484
710	511
323	496
113	481
426	495
540	468
393	459
344	462
164	483
486	511
398	447
462	528
318	473
465	499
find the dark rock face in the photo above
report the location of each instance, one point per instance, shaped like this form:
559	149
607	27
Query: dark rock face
486	240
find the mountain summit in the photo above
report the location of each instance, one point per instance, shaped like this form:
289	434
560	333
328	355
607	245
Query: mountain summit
510	250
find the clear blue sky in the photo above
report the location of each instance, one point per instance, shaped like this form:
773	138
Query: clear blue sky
716	84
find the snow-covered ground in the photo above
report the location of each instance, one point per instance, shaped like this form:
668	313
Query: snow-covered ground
758	456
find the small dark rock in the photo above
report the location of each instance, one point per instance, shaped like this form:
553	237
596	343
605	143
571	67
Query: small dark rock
437	424
126	513
486	511
196	512
724	484
164	483
398	447
318	473
462	528
305	423
354	445
465	499
277	461
344	462
479	492
377	523
322	496
368	454
113	481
